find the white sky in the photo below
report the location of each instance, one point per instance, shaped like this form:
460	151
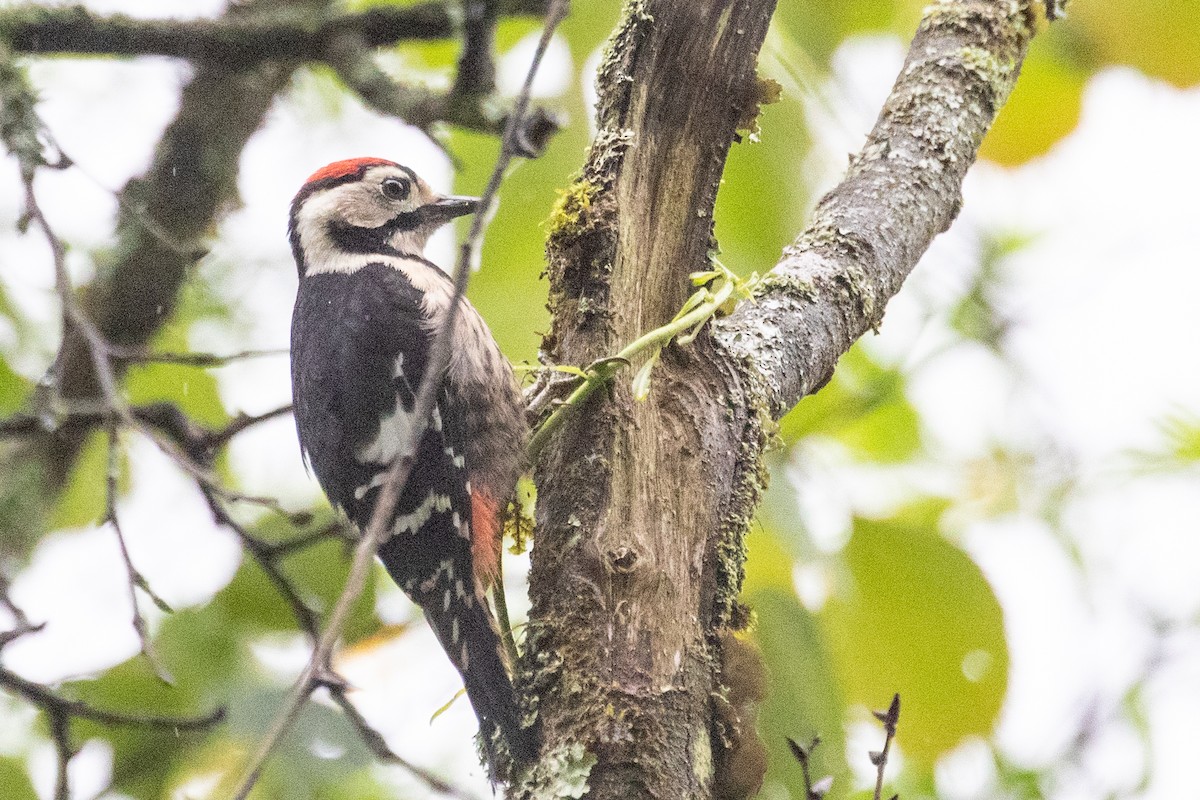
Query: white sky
1105	338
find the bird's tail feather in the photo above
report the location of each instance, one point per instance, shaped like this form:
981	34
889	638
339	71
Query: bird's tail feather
467	631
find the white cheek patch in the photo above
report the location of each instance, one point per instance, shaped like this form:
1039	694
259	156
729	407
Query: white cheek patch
352	204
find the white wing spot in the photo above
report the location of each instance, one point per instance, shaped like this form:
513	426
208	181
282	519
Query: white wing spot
394	429
466	659
416	519
454	631
432	581
458	461
446	601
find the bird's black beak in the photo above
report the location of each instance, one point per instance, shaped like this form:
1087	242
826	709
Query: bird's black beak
445	209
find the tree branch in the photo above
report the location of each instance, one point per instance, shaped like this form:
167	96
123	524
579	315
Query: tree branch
477	65
631	494
235	43
902	189
42	697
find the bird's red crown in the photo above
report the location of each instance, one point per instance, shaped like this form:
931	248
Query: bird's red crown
349	166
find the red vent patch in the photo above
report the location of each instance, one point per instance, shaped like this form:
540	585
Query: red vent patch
350	166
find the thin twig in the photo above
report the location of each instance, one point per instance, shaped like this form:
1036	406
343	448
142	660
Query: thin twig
199	472
217	439
378	527
21	624
202	360
47	700
60	733
377	745
268	562
134	579
879	758
73	316
288	547
813	790
198	442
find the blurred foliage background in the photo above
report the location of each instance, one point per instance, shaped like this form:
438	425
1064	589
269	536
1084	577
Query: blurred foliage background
874	566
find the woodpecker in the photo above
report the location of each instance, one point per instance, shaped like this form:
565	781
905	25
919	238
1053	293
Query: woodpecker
368	307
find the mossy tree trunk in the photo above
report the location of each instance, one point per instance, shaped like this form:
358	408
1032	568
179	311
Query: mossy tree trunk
637	559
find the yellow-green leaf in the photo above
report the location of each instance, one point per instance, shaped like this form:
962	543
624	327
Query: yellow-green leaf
1159	37
1043	108
916	616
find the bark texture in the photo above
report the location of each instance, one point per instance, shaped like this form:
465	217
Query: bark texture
632	553
642	506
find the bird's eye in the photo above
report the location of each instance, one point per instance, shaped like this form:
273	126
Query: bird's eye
395	188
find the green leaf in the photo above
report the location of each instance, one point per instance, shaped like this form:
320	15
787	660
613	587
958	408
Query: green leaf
192	390
753	225
1043	108
13	389
864	407
641	381
446	706
916	616
199	648
1159	37
14	780
803	700
820	26
82	501
318	572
